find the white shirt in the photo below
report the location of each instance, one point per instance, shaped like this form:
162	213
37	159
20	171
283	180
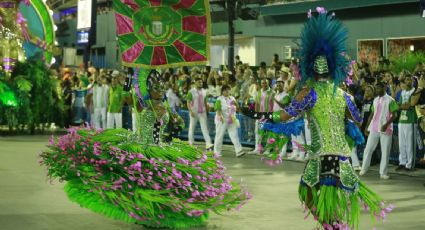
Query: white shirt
278	97
405	97
196	96
228	106
384	116
173	100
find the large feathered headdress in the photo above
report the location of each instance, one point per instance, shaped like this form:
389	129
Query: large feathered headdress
323	49
144	80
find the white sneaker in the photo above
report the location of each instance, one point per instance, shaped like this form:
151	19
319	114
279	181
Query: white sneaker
357	168
293	156
254	152
210	146
385	177
241	153
361	173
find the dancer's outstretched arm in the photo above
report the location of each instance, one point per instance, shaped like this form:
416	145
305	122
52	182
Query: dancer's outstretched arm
303	101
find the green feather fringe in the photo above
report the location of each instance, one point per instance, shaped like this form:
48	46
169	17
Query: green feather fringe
151	207
331	203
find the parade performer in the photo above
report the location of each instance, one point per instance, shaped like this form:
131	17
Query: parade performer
198	110
139	177
329	187
380	128
226	119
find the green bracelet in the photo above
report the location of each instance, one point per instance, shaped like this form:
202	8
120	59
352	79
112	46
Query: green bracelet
276	116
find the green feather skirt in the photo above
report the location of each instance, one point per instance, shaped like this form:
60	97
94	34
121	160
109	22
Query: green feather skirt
332	192
168	185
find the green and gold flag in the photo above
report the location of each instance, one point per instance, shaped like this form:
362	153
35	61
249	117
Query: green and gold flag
163	33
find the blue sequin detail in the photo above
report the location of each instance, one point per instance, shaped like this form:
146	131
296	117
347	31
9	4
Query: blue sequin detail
295	108
353	109
354	132
291	111
287	128
330	181
342	158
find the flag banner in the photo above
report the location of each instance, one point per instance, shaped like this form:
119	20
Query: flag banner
163	33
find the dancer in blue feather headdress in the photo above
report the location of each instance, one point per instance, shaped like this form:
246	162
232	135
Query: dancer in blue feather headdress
323	45
329	187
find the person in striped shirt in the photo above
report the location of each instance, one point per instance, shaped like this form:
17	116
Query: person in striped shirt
198	109
263	103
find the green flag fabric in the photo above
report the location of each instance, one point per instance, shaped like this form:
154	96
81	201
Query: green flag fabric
163	33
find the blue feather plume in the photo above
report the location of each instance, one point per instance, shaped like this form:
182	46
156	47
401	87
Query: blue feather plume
324	35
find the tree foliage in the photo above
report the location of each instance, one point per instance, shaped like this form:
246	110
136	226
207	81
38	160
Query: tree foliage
407	61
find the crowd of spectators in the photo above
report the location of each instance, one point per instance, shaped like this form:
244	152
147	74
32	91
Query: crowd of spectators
96	97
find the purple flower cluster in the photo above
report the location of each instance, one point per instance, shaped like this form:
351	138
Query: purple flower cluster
118	175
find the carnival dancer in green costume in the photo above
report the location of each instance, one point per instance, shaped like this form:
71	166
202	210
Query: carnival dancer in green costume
329	187
143	177
139	178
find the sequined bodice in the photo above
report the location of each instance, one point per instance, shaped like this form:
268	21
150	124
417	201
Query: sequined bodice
328	116
149	128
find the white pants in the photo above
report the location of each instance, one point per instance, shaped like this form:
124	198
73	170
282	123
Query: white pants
298	143
283	150
133	122
257	135
203	120
99	118
220	130
114	120
354	158
372	142
405	144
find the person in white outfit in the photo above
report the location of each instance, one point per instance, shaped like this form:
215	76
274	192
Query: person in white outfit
197	105
225	119
380	129
281	99
263	103
406	125
100	102
172	98
116	97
